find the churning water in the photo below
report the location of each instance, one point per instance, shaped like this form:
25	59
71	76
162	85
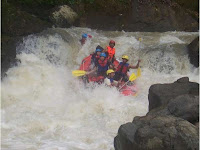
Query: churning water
44	107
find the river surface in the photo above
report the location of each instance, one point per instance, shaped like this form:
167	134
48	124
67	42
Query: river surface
43	107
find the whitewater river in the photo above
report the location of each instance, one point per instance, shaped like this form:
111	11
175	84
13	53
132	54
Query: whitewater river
43	107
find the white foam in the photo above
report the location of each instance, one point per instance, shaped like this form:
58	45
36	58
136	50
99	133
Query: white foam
169	39
44	107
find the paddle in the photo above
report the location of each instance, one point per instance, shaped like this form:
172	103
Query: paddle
78	73
138	72
131	78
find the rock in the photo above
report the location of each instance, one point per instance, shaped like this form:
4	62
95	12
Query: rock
197	124
63	16
182	80
19	23
183	106
193	52
16	24
8	53
144	16
161	94
157	133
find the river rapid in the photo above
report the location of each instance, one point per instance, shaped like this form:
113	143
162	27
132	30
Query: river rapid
44	107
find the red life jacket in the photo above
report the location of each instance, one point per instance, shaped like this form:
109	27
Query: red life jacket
122	68
102	65
111	52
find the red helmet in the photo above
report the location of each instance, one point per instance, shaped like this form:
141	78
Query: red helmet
111	41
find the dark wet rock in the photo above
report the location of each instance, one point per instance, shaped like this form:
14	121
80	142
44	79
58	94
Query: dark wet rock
161	94
63	16
144	16
8	52
183	106
197	124
20	23
193	51
157	133
182	80
16	24
171	123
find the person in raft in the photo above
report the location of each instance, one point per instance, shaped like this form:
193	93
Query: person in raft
101	66
95	56
109	81
110	51
123	68
84	38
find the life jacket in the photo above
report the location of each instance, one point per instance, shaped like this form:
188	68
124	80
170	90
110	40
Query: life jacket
122	68
111	52
102	65
95	58
83	41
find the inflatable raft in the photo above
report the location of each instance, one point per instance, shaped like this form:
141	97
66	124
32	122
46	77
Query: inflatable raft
128	89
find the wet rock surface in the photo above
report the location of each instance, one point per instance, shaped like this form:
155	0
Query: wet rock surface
171	123
193	51
157	133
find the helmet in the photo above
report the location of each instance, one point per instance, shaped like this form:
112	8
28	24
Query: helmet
125	57
98	50
84	35
103	55
111	41
109	71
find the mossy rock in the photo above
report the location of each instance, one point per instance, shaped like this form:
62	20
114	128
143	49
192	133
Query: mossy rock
17	23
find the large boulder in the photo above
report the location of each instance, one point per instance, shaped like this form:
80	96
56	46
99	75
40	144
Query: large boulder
157	133
160	16
193	52
8	52
63	16
184	106
142	15
161	94
16	22
171	123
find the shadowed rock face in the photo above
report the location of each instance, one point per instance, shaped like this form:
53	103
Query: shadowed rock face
15	25
184	106
161	94
19	20
171	123
157	133
144	16
193	51
16	22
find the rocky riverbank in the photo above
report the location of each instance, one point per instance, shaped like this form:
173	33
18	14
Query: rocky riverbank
171	123
21	18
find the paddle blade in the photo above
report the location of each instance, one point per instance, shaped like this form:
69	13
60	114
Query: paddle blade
78	73
138	72
132	77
